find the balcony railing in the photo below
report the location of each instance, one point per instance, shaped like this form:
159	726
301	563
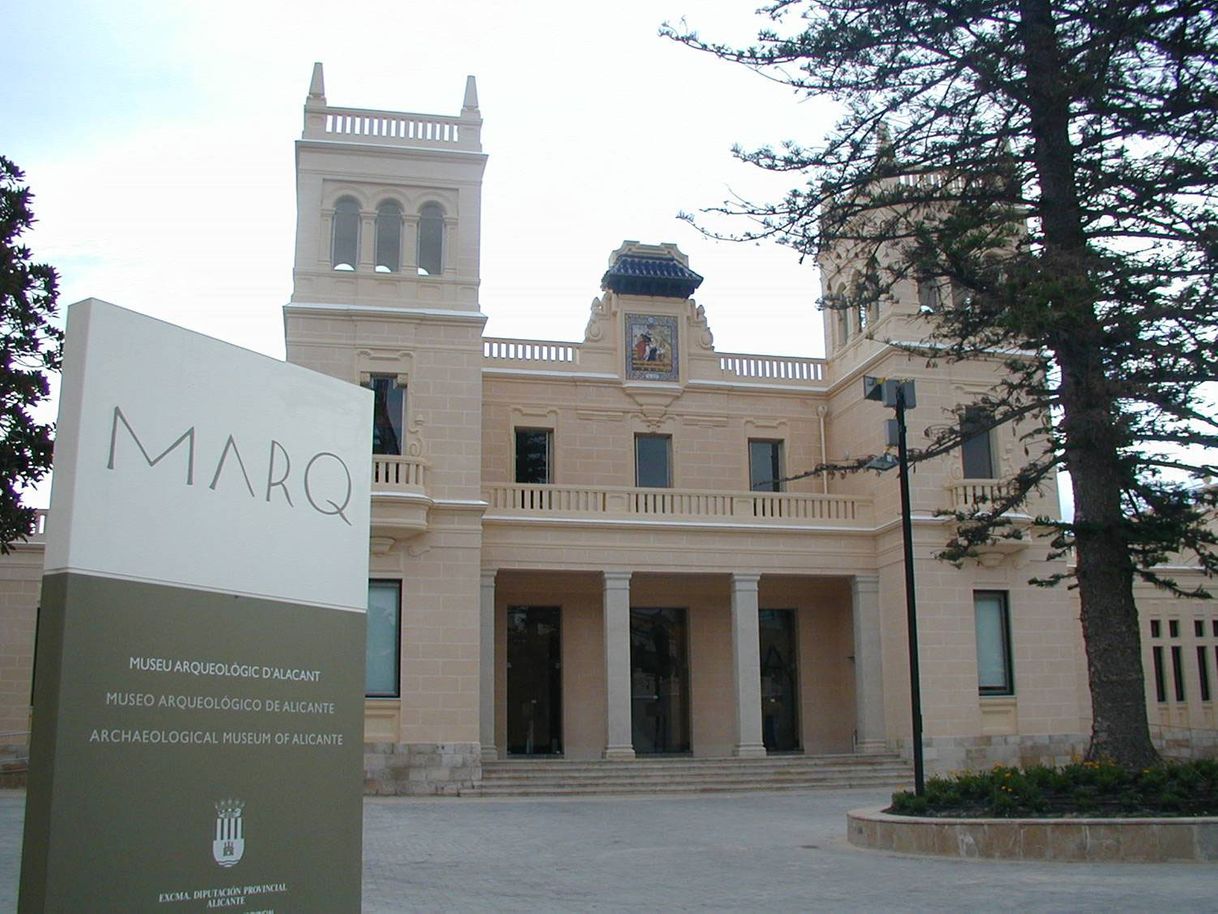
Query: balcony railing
973	493
771	368
605	502
548	354
397	474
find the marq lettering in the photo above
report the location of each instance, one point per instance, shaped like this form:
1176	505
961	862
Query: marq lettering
326	481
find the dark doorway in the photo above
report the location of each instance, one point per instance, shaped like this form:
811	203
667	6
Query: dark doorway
779	681
659	667
534	680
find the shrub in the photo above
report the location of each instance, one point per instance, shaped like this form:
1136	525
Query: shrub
1082	788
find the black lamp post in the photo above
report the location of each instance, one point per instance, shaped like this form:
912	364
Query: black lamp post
900	396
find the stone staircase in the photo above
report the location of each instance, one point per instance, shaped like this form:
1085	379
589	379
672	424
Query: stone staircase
552	777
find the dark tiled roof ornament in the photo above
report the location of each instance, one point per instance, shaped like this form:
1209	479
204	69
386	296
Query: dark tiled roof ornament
650	269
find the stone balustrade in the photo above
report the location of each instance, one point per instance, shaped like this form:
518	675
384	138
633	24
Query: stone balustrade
397	474
548	354
771	368
685	505
969	493
395	128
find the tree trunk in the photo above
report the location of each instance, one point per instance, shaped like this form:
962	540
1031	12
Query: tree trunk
1109	616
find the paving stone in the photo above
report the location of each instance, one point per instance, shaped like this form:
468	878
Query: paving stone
724	852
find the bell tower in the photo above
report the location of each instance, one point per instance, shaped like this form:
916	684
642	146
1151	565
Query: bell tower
385	295
388	205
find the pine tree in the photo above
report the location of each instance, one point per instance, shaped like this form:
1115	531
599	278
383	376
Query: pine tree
29	348
1052	163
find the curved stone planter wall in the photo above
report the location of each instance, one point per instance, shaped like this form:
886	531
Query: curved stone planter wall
1066	840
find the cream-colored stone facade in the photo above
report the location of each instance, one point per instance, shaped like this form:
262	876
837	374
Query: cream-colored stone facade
787	600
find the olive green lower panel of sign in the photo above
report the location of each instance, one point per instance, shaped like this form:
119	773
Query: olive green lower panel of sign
192	752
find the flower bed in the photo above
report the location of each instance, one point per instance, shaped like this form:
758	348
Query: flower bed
1090	789
1088	811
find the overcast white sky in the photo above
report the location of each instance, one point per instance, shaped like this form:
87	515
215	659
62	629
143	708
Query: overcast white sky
157	137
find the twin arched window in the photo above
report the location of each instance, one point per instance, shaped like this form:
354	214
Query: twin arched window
344	240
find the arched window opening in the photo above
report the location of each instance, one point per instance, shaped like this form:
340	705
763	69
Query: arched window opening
388	237
431	240
344	240
928	295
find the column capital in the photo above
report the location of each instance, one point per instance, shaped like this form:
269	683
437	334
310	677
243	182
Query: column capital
617	580
487	577
745	580
865	583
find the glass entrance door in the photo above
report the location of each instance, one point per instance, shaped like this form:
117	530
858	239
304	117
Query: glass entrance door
534	681
779	681
659	666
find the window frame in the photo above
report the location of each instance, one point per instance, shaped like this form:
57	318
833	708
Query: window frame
389	214
430	213
776	465
1007	688
395	384
974	416
517	431
930	295
341	211
396	583
667	439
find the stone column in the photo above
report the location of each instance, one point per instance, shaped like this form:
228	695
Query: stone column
367	242
746	666
486	666
868	664
410	244
619	742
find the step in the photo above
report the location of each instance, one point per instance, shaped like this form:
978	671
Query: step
563	777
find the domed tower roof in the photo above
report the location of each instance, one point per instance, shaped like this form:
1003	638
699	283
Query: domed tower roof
648	269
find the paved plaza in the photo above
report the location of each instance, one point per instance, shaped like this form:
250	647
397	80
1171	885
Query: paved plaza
740	852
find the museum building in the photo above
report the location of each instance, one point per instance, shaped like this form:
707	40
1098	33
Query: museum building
604	549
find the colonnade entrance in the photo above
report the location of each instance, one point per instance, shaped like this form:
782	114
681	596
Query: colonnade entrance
591	665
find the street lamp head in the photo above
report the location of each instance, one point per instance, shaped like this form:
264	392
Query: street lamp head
886	391
881	462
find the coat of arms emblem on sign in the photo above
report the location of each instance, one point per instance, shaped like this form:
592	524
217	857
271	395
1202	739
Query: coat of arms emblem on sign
229	843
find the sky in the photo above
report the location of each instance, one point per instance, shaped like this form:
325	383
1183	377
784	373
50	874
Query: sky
158	140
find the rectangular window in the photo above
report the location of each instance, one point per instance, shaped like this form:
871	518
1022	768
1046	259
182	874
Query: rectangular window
765	466
1203	672
1177	672
993	643
534	460
1157	657
653	461
381	679
388	410
976	452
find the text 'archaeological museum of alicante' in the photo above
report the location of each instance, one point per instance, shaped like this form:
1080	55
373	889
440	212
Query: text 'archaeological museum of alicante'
586	550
